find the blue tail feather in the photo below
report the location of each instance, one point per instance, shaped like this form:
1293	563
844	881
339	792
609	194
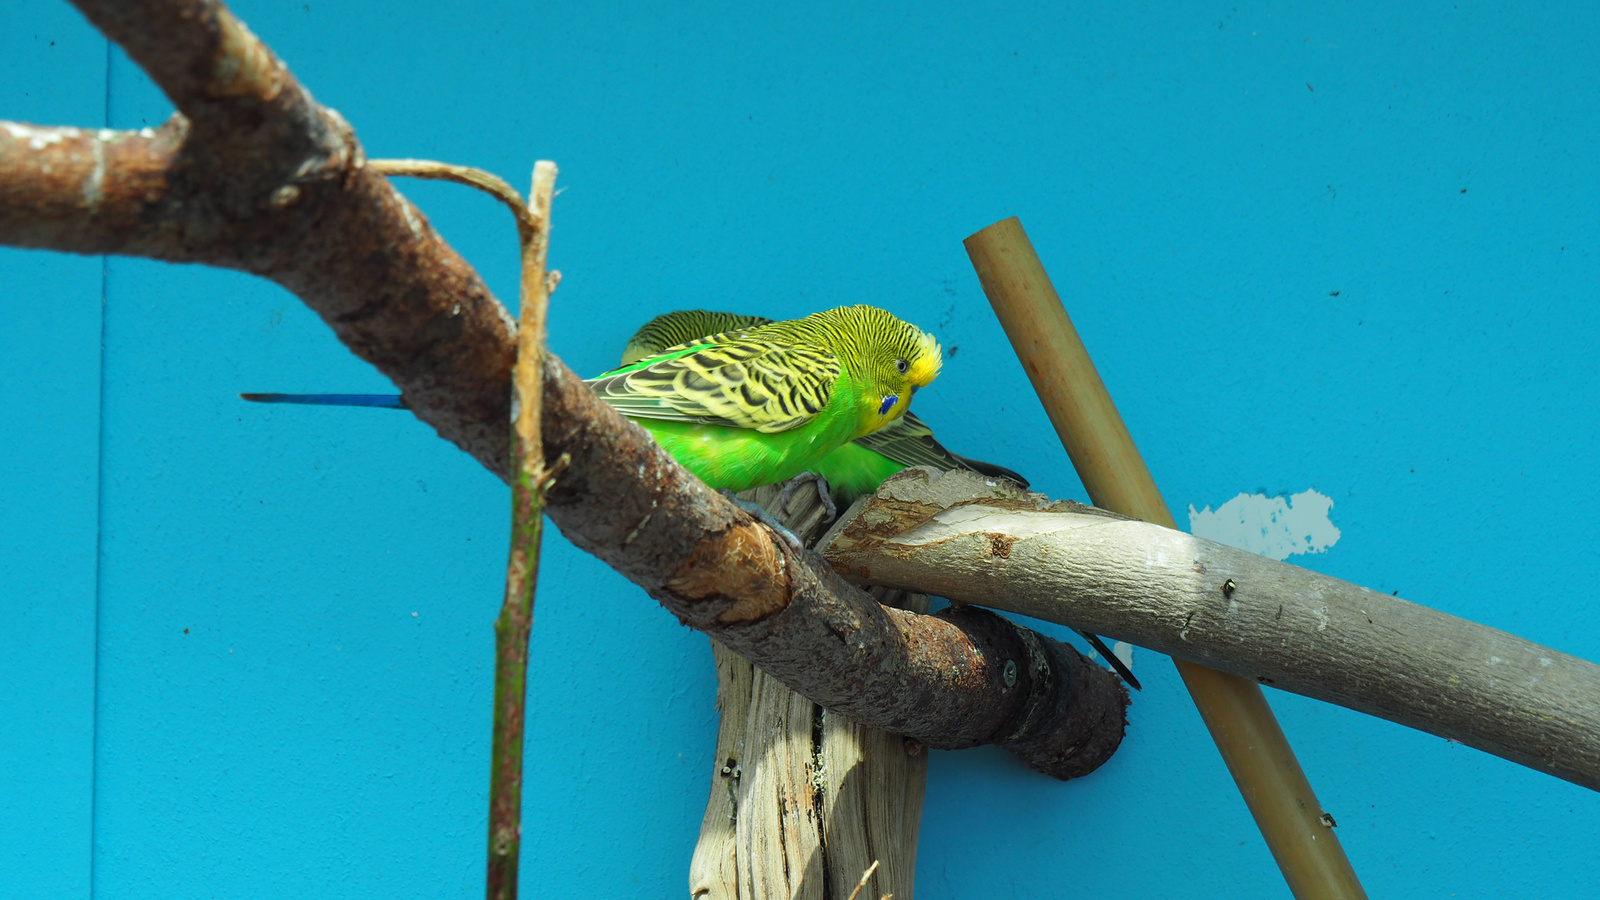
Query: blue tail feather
382	401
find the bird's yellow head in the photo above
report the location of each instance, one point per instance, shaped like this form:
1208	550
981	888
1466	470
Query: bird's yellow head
910	360
889	357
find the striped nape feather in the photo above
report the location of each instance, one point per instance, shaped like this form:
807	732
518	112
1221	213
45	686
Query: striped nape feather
866	338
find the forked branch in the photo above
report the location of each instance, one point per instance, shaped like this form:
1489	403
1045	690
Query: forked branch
252	174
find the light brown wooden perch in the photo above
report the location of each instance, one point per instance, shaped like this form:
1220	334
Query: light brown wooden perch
958	536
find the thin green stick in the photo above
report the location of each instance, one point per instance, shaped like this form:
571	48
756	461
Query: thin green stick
529	480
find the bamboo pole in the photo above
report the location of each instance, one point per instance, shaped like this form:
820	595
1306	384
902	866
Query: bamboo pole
1252	745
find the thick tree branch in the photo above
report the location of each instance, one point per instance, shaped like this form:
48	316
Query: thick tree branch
251	194
254	175
964	678
1278	624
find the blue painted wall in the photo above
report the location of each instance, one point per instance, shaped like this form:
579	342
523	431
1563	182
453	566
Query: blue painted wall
247	650
52	69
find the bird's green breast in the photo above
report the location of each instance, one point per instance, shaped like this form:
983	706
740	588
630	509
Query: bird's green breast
854	471
737	459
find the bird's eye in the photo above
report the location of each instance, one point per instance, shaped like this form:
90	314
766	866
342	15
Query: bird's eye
902	366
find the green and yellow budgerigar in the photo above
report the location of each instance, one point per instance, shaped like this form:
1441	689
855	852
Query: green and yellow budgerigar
853	470
765	401
742	401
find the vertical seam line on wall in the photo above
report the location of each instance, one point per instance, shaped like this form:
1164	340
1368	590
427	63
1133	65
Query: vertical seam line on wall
99	534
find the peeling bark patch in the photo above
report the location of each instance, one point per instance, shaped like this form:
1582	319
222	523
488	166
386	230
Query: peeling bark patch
741	564
894	518
1000	545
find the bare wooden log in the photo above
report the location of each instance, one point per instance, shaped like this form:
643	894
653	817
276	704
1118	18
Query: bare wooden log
872	797
956	535
802	801
253	174
762	834
714	867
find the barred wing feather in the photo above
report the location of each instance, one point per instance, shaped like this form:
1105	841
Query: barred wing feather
685	327
761	385
909	441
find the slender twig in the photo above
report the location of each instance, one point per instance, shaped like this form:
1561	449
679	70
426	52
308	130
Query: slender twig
488	182
528	484
865	877
529	480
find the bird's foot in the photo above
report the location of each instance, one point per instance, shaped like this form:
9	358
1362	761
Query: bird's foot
761	515
824	493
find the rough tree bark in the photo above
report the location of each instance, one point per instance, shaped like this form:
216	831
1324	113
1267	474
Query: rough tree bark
956	535
252	174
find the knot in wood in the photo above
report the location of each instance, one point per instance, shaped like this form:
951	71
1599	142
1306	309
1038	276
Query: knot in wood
1000	544
741	565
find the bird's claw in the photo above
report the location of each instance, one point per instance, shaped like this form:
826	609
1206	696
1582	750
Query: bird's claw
761	515
824	493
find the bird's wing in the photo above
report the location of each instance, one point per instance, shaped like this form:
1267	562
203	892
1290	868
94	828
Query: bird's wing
909	441
990	469
758	384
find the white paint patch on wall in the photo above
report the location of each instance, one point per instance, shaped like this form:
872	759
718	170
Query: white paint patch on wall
1274	527
1124	652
